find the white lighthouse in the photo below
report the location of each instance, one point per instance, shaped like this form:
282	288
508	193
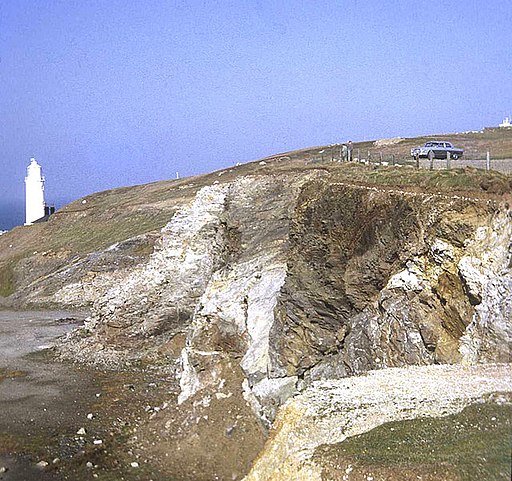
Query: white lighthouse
34	193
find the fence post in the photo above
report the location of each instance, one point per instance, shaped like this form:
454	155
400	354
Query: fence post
380	155
368	158
417	161
488	161
431	158
359	155
448	160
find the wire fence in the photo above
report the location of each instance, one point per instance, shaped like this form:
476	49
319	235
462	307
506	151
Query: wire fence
340	153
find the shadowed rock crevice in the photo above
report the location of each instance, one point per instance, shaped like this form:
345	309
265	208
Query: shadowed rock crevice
344	246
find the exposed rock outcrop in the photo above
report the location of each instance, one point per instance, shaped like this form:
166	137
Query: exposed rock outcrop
299	277
486	271
265	292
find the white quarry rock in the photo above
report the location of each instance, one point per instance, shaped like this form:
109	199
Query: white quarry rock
409	279
227	293
267	395
181	265
261	301
249	396
472	272
244	298
489	278
221	395
489	336
277	388
189	380
240	298
442	251
185	256
222	260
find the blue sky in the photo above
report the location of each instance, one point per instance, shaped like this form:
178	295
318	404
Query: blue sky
106	93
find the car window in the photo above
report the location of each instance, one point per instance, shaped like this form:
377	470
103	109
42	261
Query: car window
428	144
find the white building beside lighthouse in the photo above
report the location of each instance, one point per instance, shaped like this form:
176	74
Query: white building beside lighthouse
34	193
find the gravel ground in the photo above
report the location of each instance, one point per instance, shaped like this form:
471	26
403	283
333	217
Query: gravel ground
45	404
51	413
422	390
34	392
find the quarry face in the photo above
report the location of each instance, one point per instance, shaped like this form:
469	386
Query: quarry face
266	290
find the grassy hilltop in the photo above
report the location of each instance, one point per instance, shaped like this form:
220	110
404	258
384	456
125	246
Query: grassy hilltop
102	219
475	144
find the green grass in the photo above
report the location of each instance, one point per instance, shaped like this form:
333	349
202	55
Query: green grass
82	237
449	181
7	285
475	145
467	179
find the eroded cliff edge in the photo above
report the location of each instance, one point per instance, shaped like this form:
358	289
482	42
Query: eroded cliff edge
299	276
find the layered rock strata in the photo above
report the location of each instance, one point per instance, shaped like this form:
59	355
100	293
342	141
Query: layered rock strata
297	277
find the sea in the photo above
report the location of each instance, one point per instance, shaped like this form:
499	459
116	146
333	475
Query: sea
11	215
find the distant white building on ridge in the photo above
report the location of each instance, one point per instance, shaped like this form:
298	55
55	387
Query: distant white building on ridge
35	206
506	122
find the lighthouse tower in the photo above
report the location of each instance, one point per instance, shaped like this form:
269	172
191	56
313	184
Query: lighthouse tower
34	193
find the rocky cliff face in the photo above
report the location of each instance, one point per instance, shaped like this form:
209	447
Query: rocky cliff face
297	276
